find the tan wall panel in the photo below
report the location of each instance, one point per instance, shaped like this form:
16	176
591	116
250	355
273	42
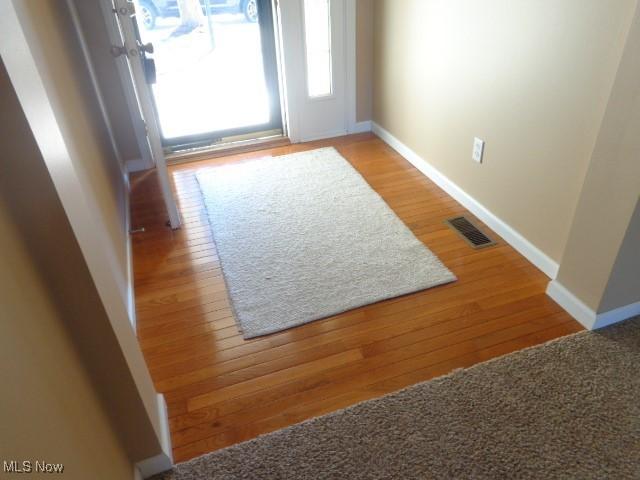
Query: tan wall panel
531	78
31	199
79	114
623	287
97	37
610	191
49	409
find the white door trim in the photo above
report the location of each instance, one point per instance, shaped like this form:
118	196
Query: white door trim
351	59
289	77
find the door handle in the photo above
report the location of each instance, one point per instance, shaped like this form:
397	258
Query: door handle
145	47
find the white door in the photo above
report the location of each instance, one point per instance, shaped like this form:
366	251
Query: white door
315	46
121	23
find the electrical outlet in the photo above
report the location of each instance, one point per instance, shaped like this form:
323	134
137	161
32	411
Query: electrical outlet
478	149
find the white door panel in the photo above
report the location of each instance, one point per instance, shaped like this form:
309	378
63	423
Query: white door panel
121	24
310	117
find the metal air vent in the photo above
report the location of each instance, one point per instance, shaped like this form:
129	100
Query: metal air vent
469	232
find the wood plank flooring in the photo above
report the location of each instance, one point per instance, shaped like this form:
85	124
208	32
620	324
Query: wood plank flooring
221	389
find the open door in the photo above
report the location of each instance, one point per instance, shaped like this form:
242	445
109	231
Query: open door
137	71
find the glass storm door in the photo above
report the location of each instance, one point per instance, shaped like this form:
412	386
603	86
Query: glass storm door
212	69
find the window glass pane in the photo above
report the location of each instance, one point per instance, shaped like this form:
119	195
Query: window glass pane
317	23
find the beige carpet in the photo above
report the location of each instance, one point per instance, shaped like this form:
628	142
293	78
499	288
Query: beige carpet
569	409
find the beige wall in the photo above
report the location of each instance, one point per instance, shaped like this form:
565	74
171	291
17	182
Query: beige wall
531	78
60	172
49	408
79	114
623	287
608	199
97	38
364	59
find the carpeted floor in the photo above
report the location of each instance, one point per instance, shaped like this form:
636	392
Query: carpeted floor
569	409
303	236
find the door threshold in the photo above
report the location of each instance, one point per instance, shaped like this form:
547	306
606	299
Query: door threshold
226	148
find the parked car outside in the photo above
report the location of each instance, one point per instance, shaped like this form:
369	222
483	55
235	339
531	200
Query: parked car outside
151	10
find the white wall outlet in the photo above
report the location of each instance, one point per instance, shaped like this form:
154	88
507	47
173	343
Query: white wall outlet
478	149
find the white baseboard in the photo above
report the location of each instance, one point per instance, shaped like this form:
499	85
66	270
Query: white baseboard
136	473
136	165
154	465
321	136
131	297
163	461
617	315
572	304
165	431
131	301
514	238
584	314
361	127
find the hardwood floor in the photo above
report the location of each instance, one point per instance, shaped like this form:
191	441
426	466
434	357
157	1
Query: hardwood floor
221	389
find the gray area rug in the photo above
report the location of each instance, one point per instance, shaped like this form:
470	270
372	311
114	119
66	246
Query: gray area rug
303	236
569	409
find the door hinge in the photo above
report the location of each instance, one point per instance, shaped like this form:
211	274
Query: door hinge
118	50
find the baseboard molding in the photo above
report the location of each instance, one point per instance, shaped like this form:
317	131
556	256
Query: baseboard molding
154	465
130	293
584	314
131	297
165	431
572	304
618	315
361	127
509	234
163	461
136	165
321	136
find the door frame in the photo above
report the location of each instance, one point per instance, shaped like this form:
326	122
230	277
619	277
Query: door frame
351	36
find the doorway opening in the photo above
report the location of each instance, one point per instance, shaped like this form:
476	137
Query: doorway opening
213	70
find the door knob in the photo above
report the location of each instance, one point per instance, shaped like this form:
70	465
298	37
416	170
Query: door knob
146	47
